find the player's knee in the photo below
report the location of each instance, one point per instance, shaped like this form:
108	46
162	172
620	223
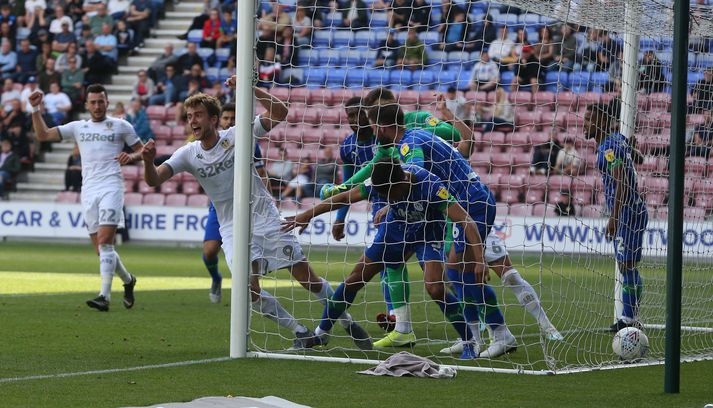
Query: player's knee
436	290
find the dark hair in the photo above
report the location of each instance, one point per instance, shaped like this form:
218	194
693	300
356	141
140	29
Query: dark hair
96	88
228	107
376	95
451	89
353	101
387	115
387	172
606	111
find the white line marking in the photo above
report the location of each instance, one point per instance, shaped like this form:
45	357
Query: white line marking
114	370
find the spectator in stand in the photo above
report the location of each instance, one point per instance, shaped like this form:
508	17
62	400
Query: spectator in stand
616	69
62	62
587	51
485	74
702	93
527	71
421	15
545	154
91	7
73	81
280	170
651	77
139	19
25	94
59	19
354	14
448	12
102	17
457	104
17	135
117	9
286	49
57	103
73	174
387	52
106	44
26	61
412	54
482	38
13	117
49	75
189	59
568	159
302	25
228	27
564	207
143	88
221	93
84	38
97	68
456	33
400	14
8	59
566	53
45	54
509	63
75	9
316	10
325	171
63	39
269	70
7	33
166	89
124	39
9	94
6	16
211	29
607	51
140	121
298	185
198	21
9	166
544	50
702	140
35	13
158	67
196	74
501	114
502	46
119	111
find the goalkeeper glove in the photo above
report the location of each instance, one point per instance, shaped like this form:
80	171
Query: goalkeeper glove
329	190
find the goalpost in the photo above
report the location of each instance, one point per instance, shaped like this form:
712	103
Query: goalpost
566	259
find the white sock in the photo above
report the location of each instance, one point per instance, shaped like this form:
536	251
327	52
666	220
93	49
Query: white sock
403	319
121	270
319	332
527	297
345	320
269	307
107	265
475	332
502	333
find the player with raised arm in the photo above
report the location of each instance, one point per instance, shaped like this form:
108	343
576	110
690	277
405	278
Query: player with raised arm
211	239
101	140
628	215
210	158
419	203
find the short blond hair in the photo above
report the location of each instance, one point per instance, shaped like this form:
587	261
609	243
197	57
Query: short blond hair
210	103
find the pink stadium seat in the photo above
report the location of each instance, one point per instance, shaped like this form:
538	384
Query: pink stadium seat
145	188
341	96
330	116
178	134
311	116
280	93
299	95
655	199
287	205
67	197
566	101
695	166
129	186
133	198
171	112
191	188
320	97
513	182
642	102
509	196
163	133
198	200
157	113
493	140
166	150
520	210
556	118
518	140
592	211
477	97
574	120
154	199
131	172
169	187
490	180
536	138
650	164
704	186
560	183
534	196
704	201
582	197
656	184
521	98
662	213
427	98
546	210
610	96
545	99
408	97
659	101
588	98
501	209
502	160
694	120
176	200
533	118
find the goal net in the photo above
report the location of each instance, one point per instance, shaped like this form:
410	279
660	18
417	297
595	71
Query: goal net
522	83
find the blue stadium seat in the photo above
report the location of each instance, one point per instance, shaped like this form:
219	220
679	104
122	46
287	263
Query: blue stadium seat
401	77
377	37
222	54
378	19
316	77
447	79
436	56
205	53
290	76
342	38
648	43
362	38
369	56
555	81
377	77
463	79
308	57
401	36
424	79
212	74
357	78
599	81
666	57
694	76
532	20
579	82
430	38
333	19
506	78
329	57
321	38
704	60
458	56
195	36
353	57
336	78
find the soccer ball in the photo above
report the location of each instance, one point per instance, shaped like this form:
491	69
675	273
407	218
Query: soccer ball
630	343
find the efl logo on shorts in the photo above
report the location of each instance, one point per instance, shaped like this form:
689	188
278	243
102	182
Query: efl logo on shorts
503	228
288	251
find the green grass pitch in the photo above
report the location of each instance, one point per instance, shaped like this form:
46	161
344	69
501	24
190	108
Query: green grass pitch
46	330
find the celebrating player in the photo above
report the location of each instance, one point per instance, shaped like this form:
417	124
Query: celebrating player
415	224
210	159
628	215
101	140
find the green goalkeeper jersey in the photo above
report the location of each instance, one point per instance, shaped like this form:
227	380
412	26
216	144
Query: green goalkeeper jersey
426	120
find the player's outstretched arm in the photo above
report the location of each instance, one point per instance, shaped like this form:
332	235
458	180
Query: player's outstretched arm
125	158
43	133
358	178
276	109
154	176
459	216
465	146
301	220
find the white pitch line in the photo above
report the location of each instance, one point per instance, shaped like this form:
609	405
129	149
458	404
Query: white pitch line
114	370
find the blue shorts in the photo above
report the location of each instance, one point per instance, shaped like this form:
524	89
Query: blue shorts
212	227
630	235
484	216
391	246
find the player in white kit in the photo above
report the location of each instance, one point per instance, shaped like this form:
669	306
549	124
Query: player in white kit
210	158
101	141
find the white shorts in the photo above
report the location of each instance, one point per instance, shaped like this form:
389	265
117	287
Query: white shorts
299	180
274	249
103	208
494	248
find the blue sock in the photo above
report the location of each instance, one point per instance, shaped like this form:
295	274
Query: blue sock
470	307
385	289
631	288
451	309
484	296
336	305
212	266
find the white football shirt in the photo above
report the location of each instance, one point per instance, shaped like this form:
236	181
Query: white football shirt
99	144
213	169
